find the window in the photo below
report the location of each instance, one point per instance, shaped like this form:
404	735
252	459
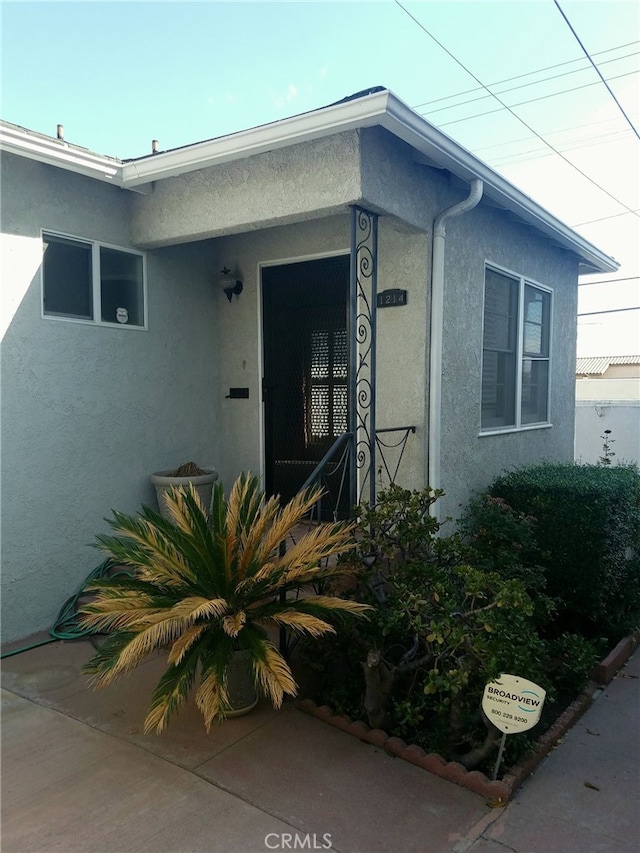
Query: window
88	281
515	357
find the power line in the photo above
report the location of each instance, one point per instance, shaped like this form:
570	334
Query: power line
524	103
509	109
551	133
534	83
609	311
529	74
602	219
569	145
595	67
608	281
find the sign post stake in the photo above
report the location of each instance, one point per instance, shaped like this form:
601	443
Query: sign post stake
503	740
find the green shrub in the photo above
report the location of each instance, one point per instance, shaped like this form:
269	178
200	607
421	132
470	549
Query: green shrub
587	534
499	539
441	628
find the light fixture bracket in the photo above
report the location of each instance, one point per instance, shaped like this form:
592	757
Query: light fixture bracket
230	284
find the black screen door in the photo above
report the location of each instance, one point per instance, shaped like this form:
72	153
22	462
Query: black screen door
306	369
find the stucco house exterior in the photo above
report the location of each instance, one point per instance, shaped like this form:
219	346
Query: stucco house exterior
390	280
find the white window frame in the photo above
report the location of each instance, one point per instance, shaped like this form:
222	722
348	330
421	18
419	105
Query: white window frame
96	320
519	351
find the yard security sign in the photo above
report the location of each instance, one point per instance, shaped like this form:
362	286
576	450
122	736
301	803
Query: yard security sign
513	704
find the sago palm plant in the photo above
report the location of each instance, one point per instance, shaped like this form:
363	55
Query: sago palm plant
204	586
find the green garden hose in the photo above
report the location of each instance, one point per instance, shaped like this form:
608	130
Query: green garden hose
67	625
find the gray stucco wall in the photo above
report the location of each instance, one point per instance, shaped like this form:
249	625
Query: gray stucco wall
471	461
88	412
305	181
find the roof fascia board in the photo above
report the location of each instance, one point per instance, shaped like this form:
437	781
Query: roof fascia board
364	112
57	153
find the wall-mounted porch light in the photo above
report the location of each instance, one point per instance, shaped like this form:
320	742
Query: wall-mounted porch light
230	284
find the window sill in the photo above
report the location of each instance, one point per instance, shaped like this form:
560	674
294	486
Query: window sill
65	318
506	430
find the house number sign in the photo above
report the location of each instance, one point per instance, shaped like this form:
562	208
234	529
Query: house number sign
391	298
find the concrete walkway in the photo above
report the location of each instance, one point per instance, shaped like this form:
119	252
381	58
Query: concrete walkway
79	776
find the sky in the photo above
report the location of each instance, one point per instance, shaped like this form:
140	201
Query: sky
118	75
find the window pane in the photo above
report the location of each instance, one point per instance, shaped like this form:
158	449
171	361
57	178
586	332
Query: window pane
536	321
122	294
498	390
535	385
498	332
67	278
499	350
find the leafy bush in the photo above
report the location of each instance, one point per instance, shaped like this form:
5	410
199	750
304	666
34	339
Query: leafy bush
587	535
500	539
441	628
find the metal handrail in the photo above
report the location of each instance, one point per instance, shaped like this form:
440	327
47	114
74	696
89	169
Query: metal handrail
317	471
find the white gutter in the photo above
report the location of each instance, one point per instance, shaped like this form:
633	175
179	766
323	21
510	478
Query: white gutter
363	112
437	319
55	152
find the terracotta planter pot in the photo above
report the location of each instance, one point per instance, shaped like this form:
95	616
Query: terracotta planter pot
203	485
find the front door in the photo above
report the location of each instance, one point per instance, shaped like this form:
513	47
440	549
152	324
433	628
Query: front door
306	373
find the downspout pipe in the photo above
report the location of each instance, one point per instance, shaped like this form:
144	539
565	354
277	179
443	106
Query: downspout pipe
437	319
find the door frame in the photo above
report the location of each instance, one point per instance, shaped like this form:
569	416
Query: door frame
314	256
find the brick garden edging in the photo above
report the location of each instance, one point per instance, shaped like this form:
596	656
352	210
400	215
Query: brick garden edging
499	790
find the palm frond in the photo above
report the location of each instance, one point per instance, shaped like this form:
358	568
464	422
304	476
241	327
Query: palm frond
192	521
302	623
289	517
196	607
234	623
184	643
243	509
184	512
314	546
157	636
334	604
101	666
218	514
253	551
273	674
112	616
172	691
153	555
212	696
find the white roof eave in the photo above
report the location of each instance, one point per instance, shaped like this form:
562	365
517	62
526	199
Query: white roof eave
58	153
364	112
437	146
381	108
